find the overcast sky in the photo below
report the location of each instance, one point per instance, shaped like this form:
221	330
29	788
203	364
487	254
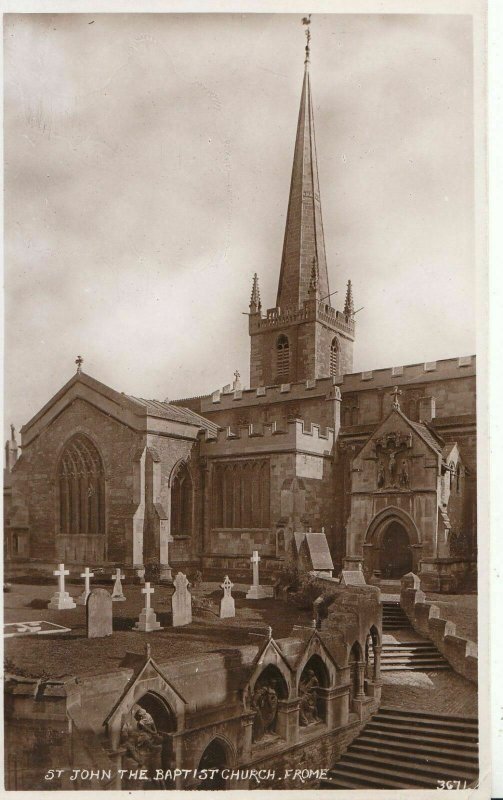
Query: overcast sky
147	168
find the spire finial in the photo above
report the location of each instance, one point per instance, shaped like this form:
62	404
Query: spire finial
307	21
12	433
79	361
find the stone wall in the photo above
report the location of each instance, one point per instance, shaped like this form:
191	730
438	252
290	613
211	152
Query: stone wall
35	484
424	616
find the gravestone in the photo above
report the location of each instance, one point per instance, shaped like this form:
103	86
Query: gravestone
227	605
353	577
312	553
181	601
87	575
61	599
147	621
256	591
99	614
117	594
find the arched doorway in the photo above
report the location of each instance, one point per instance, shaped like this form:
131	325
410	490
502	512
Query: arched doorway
396	555
213	758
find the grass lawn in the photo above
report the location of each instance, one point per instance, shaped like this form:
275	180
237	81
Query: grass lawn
75	654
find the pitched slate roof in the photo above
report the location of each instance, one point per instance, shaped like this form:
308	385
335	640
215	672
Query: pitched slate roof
431	438
158	408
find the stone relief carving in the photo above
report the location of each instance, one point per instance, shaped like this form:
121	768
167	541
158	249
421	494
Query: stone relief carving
392	471
308	693
264	702
140	738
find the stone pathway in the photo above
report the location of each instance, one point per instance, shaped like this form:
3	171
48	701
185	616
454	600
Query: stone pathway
437	692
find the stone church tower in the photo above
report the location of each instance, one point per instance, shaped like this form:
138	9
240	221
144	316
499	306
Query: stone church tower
303	337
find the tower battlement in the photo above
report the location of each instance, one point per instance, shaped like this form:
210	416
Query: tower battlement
269	436
311	311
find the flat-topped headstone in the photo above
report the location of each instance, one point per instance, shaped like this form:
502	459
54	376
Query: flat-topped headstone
181	601
147	621
227	605
313	552
99	614
256	591
87	575
353	577
61	599
117	594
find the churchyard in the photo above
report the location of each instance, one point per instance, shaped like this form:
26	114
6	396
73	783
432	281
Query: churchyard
74	653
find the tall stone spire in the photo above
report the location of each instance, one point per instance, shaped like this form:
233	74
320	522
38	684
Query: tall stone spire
304	240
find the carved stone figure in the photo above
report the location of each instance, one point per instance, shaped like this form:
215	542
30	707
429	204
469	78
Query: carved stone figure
404	475
265	703
308	710
381	476
142	742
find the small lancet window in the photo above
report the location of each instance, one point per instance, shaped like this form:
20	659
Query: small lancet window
334	357
283	358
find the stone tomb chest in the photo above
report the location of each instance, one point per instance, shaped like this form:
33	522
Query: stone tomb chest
312	554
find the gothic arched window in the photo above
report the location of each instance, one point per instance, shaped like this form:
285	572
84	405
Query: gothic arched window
282	357
181	502
334	357
81	488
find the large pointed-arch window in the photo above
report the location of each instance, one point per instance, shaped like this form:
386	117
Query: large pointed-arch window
81	488
283	358
181	502
334	357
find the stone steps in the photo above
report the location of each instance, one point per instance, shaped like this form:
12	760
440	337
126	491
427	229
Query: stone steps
416	656
402	749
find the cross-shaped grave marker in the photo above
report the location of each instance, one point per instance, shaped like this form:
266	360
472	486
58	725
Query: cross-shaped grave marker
227	605
87	575
148	620
117	594
256	591
61	599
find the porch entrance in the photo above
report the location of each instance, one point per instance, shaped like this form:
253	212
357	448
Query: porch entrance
396	555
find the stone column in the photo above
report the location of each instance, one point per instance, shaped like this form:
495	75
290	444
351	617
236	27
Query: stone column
360	694
377	661
247	737
287	724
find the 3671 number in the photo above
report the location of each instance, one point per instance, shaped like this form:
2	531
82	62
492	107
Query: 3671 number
452	784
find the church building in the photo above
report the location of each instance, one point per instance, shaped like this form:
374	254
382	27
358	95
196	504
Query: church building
383	462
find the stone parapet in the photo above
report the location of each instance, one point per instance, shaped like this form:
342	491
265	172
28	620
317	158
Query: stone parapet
295	436
425	618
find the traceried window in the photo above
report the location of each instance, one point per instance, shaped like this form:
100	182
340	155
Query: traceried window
181	502
334	357
241	494
283	358
81	488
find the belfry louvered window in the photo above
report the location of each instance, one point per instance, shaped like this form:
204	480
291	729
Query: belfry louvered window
283	358
81	488
334	357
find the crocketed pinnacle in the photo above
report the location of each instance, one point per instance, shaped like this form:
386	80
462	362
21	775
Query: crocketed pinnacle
349	306
255	304
304	239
